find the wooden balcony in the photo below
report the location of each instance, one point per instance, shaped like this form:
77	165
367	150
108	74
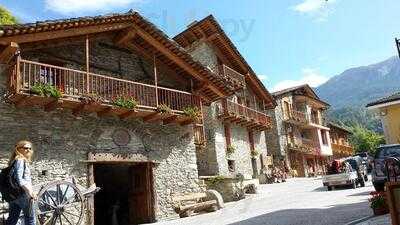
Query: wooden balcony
244	116
304	145
296	117
342	150
93	93
232	75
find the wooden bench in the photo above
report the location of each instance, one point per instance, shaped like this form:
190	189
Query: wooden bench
188	204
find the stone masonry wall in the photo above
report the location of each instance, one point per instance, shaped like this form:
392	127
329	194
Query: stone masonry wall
62	140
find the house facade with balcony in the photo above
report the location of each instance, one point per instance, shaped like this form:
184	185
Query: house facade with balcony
235	125
300	137
112	101
340	143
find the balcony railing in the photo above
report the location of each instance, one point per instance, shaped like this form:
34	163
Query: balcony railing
233	75
298	116
342	150
244	115
75	83
304	145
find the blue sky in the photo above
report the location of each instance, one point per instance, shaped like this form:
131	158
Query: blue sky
287	42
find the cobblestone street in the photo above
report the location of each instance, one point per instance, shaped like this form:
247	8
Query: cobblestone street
300	201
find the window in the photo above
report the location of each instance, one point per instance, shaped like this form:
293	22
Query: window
324	138
231	165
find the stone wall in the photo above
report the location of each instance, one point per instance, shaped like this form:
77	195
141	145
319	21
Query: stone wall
105	59
276	137
204	54
62	140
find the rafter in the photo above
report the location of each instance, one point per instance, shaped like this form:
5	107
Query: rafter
9	52
156	44
124	36
24	38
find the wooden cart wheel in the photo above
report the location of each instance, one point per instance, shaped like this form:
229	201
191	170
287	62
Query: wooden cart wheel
60	203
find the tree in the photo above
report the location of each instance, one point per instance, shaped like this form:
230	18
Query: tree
6	17
365	140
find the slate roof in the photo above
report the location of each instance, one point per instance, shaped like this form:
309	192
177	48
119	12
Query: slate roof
390	98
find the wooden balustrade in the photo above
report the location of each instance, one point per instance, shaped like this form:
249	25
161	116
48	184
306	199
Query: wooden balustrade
233	75
244	115
75	84
342	149
304	145
298	116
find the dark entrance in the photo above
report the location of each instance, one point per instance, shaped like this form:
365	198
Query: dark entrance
126	196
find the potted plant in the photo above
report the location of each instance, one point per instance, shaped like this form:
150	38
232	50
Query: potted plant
230	150
192	112
46	90
126	102
378	203
164	109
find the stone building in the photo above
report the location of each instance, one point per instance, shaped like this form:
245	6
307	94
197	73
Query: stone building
235	126
109	100
300	138
341	146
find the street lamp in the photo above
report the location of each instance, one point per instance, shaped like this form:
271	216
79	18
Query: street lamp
397	45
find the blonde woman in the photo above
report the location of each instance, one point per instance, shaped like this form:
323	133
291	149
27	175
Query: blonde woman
21	174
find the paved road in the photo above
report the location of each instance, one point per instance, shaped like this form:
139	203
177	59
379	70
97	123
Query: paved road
300	201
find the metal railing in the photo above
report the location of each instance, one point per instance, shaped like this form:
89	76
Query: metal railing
73	83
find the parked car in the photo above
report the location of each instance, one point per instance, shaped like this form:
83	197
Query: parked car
379	170
340	173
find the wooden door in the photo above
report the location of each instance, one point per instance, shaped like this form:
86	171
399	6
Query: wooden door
141	202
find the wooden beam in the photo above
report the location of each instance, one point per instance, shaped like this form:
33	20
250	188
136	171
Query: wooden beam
78	110
128	114
21	102
171	119
8	53
152	117
186	122
124	36
53	105
164	50
139	50
106	112
47	35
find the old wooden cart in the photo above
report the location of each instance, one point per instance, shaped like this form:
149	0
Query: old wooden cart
62	202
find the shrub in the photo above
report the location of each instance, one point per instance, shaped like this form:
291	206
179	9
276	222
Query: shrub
46	90
125	102
377	200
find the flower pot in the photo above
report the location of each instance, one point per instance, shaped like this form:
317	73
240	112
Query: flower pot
381	211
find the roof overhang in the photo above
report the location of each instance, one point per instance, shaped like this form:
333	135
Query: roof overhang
383	105
210	31
135	30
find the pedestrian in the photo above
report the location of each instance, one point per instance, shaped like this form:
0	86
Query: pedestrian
19	160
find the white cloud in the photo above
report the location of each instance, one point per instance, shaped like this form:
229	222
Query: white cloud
317	9
310	76
78	6
263	77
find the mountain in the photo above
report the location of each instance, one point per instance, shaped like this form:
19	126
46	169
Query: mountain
361	85
350	91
